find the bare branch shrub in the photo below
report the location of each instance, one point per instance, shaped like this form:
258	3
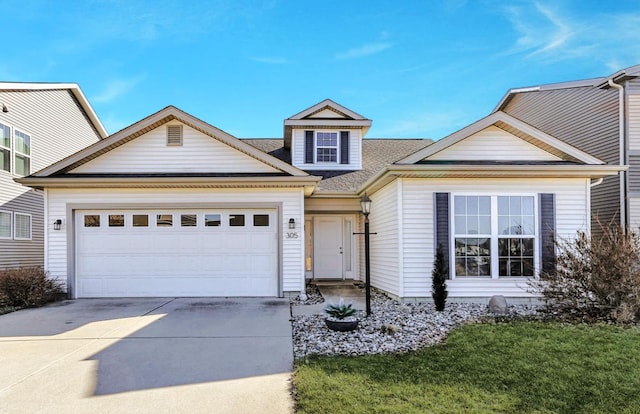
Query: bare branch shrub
596	275
27	287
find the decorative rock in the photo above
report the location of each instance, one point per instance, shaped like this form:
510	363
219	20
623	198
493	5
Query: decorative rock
498	304
420	326
389	329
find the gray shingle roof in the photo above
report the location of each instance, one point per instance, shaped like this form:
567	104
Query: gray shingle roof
376	154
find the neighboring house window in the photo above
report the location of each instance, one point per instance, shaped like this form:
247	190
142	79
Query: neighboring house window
22	226
494	236
327	147
5	225
22	149
15	158
5	148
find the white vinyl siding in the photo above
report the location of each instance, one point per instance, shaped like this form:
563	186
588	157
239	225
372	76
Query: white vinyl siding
291	260
634	122
385	247
355	151
572	214
495	144
634	214
199	153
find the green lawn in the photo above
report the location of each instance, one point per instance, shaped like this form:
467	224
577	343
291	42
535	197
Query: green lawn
519	367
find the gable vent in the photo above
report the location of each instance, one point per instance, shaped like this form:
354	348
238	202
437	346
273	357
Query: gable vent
174	134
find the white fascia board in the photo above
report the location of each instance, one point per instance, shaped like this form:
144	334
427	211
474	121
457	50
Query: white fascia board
392	172
363	123
323	104
167	182
73	87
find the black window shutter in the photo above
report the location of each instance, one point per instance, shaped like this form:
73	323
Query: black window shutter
344	147
308	147
442	226
547	208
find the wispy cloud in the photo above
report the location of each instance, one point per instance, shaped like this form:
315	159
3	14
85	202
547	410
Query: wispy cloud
428	124
271	60
116	88
364	50
545	31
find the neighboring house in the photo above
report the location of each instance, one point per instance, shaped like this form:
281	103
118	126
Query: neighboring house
600	116
172	206
40	123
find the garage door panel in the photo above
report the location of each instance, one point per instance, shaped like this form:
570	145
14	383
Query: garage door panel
176	261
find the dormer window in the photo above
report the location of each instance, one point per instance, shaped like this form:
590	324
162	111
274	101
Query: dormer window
326	147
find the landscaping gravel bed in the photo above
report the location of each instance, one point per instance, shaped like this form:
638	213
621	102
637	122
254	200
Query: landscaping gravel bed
392	327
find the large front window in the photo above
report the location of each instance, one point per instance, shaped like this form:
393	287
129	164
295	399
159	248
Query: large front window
494	236
15	151
22	147
326	147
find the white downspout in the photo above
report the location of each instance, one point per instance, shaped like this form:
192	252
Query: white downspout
622	158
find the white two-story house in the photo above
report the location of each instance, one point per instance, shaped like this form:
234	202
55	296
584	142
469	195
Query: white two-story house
40	123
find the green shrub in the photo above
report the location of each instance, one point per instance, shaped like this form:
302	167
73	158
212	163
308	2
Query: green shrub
439	280
27	287
596	275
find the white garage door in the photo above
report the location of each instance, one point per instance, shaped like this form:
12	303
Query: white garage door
146	253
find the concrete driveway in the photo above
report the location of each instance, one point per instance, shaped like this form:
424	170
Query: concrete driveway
161	355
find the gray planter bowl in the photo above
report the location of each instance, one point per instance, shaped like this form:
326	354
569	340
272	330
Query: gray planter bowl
341	326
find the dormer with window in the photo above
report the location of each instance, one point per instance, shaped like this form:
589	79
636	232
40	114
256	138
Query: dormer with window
326	136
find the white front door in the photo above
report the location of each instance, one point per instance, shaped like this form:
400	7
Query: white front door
328	248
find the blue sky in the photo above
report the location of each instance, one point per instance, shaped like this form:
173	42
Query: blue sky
416	68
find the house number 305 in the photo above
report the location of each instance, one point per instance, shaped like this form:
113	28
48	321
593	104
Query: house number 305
292	235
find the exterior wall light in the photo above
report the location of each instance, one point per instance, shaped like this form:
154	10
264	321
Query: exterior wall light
292	223
57	224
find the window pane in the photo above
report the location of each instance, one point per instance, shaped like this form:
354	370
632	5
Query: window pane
461	225
527	206
22	143
516	256
515	207
164	220
460	205
261	220
212	220
326	154
23	165
5	224
503	206
473	256
236	220
188	220
5	160
472	224
472	205
503	225
484	225
92	220
484	205
116	220
5	136
140	220
23	226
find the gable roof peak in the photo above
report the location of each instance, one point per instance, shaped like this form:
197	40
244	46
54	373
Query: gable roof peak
516	127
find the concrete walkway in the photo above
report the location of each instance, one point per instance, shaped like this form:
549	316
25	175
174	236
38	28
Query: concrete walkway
195	355
332	292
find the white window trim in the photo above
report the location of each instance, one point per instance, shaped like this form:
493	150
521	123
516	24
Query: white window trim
16	153
15	232
8	148
316	146
495	267
10	225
